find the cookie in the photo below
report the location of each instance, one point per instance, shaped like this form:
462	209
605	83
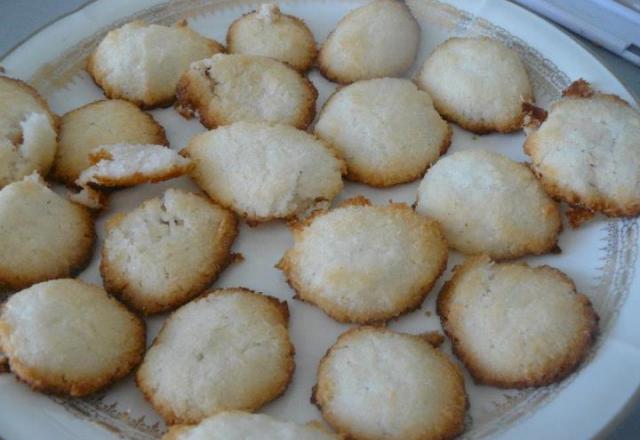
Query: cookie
28	132
167	251
270	33
68	337
587	152
364	263
515	326
225	89
376	40
100	123
487	203
42	235
119	165
399	150
89	198
478	83
264	171
237	425
228	350
376	384
142	63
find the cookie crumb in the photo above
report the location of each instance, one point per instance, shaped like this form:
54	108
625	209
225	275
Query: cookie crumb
534	116
578	89
435	338
4	364
578	216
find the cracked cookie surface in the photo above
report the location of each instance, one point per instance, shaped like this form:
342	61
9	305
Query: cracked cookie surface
265	171
167	251
228	88
111	121
270	33
28	132
142	63
587	151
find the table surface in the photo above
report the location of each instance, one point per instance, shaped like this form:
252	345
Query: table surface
20	19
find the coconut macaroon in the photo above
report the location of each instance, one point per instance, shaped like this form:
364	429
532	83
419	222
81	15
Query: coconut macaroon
28	132
515	326
121	165
166	251
17	101
228	350
264	171
376	40
364	263
69	337
478	83
42	235
587	151
487	203
238	425
142	62
376	384
100	123
268	32
225	89
399	150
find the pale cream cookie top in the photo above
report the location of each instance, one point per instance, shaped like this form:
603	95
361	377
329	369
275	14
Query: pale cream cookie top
587	151
166	251
42	235
28	132
264	171
227	350
478	83
376	384
68	337
363	263
487	203
238	425
386	129
516	326
142	62
225	89
270	33
378	39
112	121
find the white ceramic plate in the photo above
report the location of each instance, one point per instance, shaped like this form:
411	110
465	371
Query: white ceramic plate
600	257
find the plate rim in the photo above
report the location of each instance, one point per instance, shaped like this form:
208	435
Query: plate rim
635	395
